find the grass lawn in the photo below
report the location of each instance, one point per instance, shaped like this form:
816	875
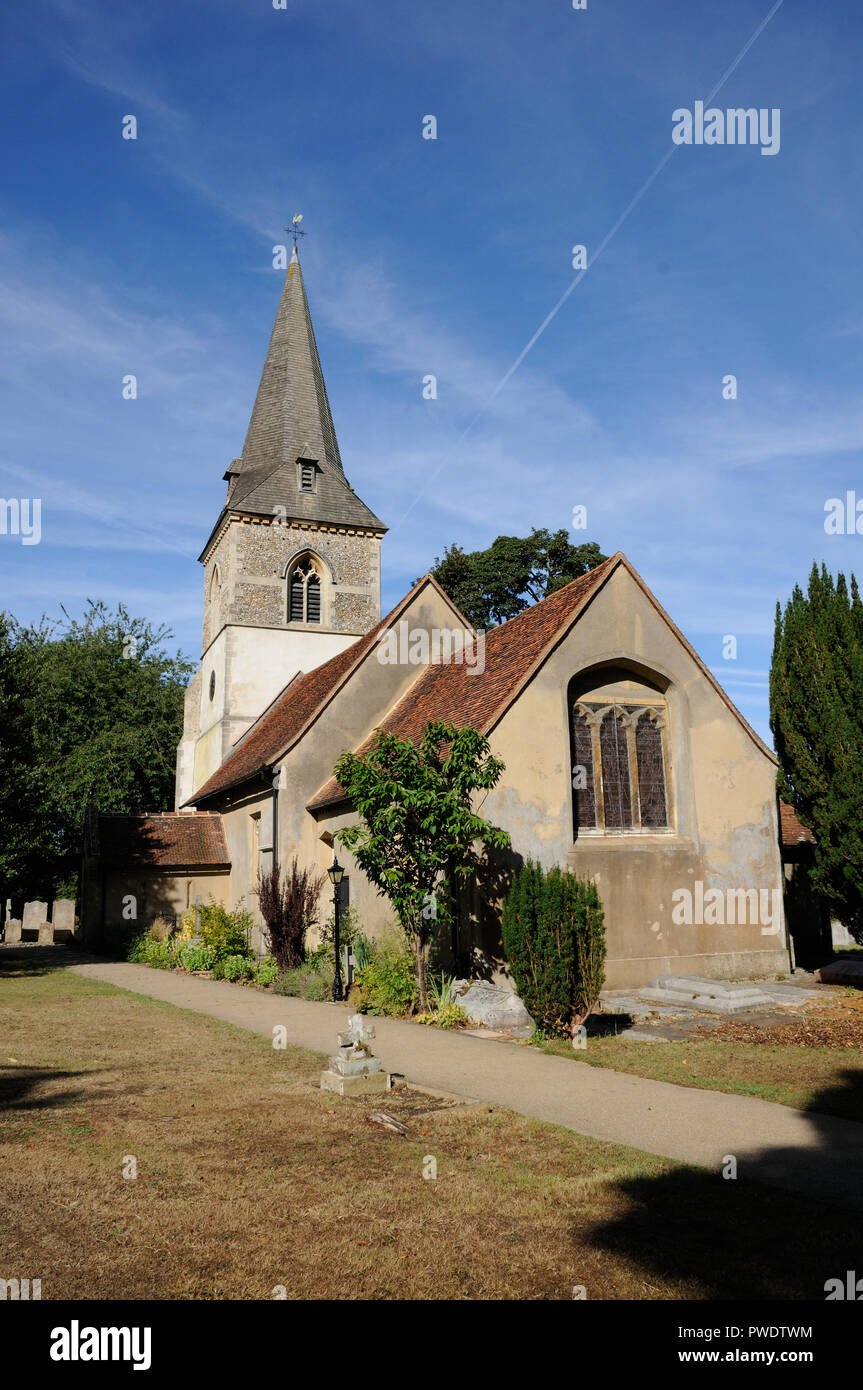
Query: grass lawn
797	1064
250	1177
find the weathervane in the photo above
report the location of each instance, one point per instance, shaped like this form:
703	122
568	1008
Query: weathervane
295	229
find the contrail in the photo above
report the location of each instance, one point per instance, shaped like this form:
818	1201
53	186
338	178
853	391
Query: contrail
552	314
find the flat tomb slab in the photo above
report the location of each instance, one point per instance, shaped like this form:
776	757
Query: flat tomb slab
713	996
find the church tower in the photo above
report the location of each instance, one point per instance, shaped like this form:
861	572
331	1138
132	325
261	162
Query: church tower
292	565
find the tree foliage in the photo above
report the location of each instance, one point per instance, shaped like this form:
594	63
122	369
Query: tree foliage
554	938
493	585
90	710
419	832
816	714
289	907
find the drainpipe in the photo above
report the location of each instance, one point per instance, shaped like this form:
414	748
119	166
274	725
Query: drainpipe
277	777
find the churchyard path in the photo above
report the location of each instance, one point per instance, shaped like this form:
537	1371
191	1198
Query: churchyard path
817	1155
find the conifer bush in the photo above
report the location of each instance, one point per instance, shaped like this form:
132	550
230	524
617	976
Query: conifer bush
554	936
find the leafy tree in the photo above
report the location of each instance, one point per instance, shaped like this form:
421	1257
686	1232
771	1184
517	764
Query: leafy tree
554	937
816	714
492	585
419	832
90	711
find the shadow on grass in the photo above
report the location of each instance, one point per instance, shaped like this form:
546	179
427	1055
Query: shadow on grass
18	1084
778	1230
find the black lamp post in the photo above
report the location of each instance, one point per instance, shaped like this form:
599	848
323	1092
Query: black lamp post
336	873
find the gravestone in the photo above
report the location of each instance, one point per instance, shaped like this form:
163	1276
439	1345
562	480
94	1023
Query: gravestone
353	1070
46	934
63	914
63	918
13	930
35	915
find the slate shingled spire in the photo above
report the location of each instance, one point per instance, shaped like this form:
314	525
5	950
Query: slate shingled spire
291	421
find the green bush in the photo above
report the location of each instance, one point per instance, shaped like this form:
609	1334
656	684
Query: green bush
147	950
307	981
349	930
388	984
554	937
193	957
266	971
363	950
450	1015
226	933
236	967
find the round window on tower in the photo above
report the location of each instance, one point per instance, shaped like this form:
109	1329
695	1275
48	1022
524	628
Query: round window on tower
212	684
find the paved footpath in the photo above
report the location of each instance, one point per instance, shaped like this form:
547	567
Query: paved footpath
814	1154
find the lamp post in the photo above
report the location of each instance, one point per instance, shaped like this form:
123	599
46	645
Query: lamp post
336	873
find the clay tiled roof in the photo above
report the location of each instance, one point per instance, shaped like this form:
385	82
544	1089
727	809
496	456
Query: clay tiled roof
512	652
793	833
293	711
164	840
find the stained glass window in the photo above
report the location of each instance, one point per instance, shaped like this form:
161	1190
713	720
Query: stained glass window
617	795
584	795
651	772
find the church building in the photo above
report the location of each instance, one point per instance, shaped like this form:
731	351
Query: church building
625	761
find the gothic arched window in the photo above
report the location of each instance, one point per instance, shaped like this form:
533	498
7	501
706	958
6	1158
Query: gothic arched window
620	764
304	592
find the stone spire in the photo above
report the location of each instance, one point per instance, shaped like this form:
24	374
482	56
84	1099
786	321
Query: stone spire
291	424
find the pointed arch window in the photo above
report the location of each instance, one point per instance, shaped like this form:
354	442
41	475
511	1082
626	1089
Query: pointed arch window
304	592
619	773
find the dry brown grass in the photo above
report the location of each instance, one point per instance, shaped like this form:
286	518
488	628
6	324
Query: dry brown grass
250	1177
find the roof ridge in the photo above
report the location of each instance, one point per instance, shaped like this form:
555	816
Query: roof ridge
532	608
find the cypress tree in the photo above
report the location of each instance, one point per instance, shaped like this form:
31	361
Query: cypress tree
554	937
816	715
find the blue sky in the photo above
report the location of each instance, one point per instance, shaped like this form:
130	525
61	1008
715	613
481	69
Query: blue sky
154	257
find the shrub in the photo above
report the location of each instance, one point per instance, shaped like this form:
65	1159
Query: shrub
554	937
307	981
148	950
238	967
388	983
449	1015
349	930
196	957
363	951
266	971
289	907
225	932
452	1015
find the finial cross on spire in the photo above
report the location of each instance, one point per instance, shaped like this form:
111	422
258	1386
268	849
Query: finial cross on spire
295	229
